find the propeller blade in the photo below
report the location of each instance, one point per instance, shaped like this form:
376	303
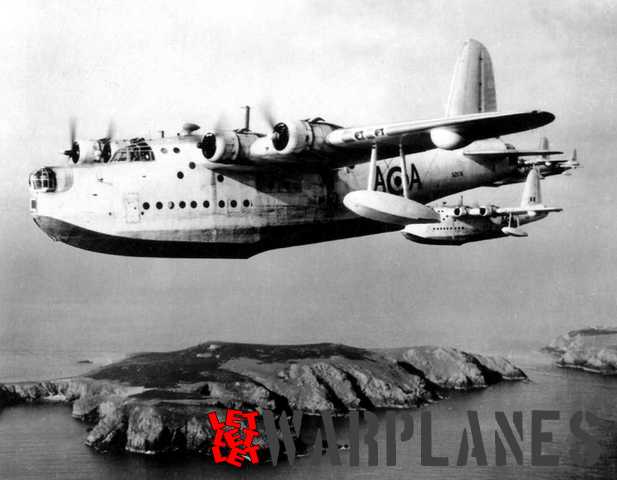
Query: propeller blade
73	151
265	107
220	124
111	130
72	130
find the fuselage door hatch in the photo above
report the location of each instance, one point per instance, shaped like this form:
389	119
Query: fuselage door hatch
131	208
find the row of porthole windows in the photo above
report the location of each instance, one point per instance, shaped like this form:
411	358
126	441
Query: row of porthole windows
206	204
164	150
448	228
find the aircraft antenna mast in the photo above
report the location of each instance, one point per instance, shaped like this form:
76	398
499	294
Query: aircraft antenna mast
247	117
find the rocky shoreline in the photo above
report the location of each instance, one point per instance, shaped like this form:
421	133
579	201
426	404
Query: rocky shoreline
154	403
592	349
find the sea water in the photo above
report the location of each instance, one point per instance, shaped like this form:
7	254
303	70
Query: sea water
44	441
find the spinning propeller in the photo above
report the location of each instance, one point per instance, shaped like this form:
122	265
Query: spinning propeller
280	130
73	152
104	144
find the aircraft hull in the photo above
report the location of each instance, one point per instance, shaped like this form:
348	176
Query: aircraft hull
452	240
164	209
269	238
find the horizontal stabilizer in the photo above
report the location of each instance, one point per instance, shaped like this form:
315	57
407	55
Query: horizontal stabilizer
387	208
498	154
514	232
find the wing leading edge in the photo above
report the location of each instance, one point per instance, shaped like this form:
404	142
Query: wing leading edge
349	146
424	135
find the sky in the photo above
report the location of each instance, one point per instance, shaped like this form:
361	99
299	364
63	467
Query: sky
154	65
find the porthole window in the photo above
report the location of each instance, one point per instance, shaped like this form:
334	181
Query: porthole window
246	203
176	150
233	204
220	178
182	204
221	203
180	175
191	165
193	204
146	205
170	205
163	150
206	204
159	205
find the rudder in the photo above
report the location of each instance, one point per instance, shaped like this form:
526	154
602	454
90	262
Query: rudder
473	83
544	145
531	192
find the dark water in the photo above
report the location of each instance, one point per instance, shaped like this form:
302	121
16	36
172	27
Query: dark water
45	442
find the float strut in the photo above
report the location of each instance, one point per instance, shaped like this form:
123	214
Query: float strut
372	168
404	179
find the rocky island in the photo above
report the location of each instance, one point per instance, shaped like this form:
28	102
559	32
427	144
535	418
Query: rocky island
592	349
158	402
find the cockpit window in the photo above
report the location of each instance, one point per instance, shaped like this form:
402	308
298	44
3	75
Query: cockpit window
43	180
137	151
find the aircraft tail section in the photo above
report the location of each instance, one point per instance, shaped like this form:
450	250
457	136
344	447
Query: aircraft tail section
544	145
473	84
531	193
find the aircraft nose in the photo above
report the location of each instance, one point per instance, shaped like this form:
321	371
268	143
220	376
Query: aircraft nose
48	225
43	180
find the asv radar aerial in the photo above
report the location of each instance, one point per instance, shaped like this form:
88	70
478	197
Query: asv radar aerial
236	193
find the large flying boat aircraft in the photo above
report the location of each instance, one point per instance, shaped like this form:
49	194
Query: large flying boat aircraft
236	193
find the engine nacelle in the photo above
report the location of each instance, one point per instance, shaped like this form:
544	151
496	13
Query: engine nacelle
483	211
459	211
108	148
84	151
220	147
447	139
301	135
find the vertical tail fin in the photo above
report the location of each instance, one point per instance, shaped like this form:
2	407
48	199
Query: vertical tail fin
473	84
544	145
572	164
531	192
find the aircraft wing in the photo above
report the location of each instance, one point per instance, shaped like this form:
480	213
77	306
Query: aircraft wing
547	161
522	210
449	133
311	143
499	154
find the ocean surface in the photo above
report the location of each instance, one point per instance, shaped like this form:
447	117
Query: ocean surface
44	441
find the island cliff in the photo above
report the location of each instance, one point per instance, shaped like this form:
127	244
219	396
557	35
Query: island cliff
158	402
591	349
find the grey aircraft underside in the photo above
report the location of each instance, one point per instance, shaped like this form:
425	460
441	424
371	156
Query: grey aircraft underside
236	193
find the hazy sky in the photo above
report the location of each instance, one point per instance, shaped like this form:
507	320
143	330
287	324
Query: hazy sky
154	65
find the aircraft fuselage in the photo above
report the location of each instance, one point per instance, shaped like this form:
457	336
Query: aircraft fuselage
458	231
176	206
